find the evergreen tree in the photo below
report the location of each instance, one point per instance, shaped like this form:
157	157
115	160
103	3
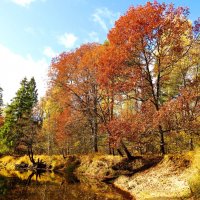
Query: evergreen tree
1	100
19	128
1	105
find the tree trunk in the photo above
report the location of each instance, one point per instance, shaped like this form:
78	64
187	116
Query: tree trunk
94	130
95	135
120	153
191	144
162	141
109	147
113	151
95	120
128	154
63	153
30	154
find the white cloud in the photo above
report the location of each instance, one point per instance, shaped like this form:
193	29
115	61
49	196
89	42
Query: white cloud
68	40
15	67
105	17
24	3
93	36
98	19
49	52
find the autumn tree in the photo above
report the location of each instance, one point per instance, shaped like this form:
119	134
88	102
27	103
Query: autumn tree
181	115
150	40
110	65
53	135
150	58
75	72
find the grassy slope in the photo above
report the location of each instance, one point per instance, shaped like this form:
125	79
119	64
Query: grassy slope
100	163
91	165
9	162
176	176
99	166
7	166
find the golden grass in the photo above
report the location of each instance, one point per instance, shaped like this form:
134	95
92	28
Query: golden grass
193	174
175	176
7	167
94	165
98	165
23	159
9	162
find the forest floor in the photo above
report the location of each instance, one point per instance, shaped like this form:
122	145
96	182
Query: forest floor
171	177
175	177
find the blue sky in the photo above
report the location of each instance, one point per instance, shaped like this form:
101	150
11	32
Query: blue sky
33	31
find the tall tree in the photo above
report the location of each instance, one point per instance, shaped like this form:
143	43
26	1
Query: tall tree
150	40
75	73
19	129
1	105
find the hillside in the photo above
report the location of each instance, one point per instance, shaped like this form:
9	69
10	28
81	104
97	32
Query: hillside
175	177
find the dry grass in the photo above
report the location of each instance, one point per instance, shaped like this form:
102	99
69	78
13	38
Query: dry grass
176	176
98	165
93	165
7	167
9	162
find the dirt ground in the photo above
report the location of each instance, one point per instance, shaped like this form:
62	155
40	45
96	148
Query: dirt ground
175	177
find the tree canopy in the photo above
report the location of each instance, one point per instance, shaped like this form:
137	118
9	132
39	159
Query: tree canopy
137	92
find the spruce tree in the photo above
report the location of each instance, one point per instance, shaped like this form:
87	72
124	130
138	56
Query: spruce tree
19	128
1	100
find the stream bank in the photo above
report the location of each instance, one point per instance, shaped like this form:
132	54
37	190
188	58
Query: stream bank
175	177
171	177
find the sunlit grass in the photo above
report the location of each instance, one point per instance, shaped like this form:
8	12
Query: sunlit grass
193	173
9	162
98	165
177	175
23	159
179	169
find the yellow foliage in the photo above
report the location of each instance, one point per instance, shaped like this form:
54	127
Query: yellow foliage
98	165
23	159
9	162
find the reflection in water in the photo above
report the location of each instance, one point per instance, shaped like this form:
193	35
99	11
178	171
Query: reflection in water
50	186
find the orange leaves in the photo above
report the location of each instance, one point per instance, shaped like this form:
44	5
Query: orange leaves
136	23
119	128
141	63
72	71
152	29
181	113
75	87
1	121
148	41
63	121
113	70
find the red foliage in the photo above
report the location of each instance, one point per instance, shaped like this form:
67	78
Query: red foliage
1	121
181	114
120	128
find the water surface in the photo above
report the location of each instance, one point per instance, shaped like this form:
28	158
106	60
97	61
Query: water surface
50	186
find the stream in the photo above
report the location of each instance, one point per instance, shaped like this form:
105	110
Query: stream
17	185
